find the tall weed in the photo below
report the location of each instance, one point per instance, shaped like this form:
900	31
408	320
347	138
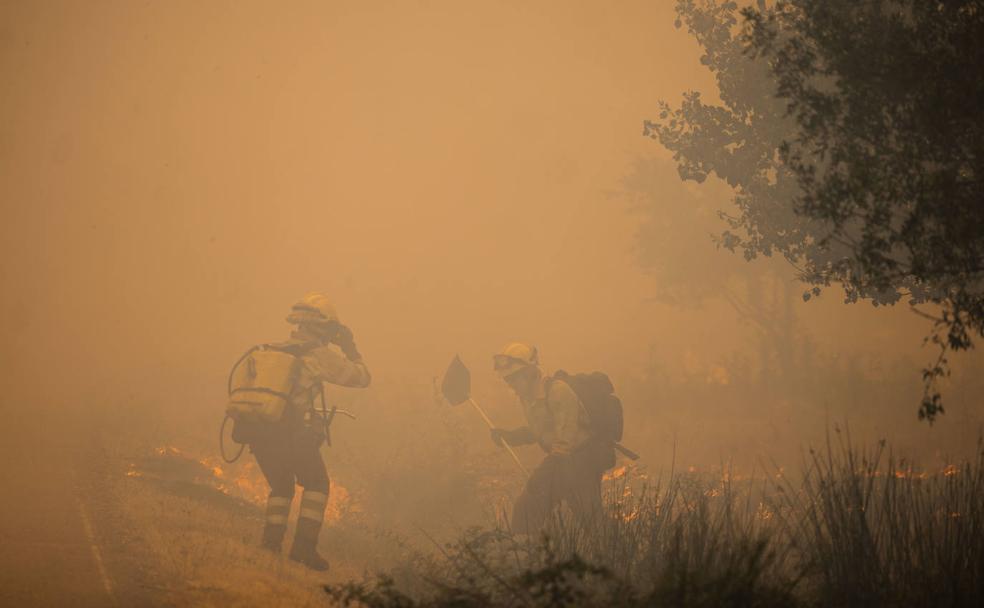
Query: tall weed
858	527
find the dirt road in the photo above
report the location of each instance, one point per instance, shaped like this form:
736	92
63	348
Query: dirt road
58	548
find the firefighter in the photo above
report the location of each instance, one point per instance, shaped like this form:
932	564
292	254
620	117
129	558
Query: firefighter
287	444
556	419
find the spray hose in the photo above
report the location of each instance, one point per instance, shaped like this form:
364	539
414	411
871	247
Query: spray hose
242	446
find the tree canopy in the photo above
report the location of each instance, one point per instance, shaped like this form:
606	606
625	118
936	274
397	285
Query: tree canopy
851	132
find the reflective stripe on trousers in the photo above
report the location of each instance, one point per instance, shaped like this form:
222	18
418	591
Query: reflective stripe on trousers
278	507
313	505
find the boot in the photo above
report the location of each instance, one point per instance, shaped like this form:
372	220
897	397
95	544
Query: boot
273	537
309	520
305	550
276	523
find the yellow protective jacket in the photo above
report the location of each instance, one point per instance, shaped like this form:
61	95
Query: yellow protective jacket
320	364
280	382
556	418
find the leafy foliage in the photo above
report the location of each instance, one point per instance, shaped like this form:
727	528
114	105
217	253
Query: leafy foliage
852	133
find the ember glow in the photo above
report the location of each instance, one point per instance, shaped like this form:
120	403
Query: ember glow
242	480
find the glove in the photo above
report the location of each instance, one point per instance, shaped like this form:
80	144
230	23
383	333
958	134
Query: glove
346	341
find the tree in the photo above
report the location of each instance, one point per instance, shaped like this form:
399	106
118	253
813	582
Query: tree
851	132
673	248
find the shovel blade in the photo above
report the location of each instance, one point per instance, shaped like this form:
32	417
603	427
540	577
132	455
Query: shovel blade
456	386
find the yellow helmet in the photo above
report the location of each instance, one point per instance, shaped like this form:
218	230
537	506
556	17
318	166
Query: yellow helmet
515	357
315	307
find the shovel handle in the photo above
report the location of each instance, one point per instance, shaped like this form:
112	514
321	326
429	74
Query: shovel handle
626	451
488	421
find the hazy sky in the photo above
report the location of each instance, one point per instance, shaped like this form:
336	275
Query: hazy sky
175	174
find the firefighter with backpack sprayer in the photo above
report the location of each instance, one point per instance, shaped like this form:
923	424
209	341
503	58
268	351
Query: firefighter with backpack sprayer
576	420
273	390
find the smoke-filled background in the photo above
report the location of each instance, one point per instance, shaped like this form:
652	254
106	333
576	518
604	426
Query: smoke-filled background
456	176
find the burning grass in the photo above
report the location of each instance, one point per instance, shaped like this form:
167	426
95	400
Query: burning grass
856	528
404	468
696	536
200	520
876	530
241	483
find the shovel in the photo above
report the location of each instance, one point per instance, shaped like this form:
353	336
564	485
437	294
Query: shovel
456	388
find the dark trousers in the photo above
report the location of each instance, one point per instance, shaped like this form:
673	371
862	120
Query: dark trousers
289	455
574	479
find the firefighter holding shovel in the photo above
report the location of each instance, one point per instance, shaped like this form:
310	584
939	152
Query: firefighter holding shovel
576	420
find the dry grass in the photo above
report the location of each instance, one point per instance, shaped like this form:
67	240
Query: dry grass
199	519
199	526
418	473
873	529
855	528
206	553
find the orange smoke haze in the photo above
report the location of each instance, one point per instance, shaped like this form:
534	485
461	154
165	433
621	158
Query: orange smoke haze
176	174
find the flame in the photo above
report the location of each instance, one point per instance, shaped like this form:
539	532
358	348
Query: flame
910	474
631	515
246	482
616	473
250	485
